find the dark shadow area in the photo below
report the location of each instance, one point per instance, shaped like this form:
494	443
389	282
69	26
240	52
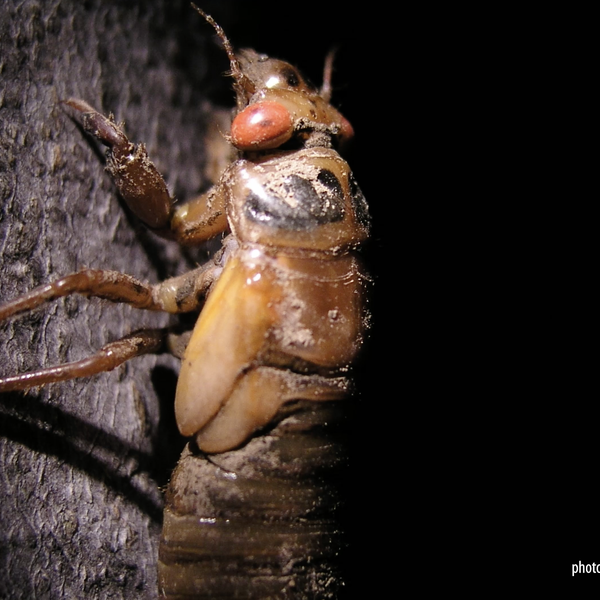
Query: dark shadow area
26	420
167	442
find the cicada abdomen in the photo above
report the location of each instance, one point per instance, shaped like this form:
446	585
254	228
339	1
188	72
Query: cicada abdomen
263	521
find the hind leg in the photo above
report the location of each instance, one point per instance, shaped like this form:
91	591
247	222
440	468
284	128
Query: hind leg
179	294
256	399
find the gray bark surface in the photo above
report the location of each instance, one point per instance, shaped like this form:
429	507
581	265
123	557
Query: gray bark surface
82	461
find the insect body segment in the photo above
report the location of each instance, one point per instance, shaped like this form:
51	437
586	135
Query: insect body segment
275	328
284	316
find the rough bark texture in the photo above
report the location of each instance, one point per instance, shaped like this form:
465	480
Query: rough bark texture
83	462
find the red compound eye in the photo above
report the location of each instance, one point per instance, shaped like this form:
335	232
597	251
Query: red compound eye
262	126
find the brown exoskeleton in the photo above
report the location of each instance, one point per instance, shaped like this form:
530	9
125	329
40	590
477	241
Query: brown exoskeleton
284	315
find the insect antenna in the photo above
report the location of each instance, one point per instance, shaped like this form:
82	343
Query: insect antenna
243	86
325	92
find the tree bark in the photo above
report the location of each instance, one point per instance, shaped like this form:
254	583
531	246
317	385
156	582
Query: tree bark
82	461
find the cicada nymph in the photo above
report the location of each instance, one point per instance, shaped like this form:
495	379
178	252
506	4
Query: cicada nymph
282	318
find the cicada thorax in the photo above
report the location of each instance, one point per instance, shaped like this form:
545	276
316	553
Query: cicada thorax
287	314
306	200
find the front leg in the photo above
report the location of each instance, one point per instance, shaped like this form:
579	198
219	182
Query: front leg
138	180
144	189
